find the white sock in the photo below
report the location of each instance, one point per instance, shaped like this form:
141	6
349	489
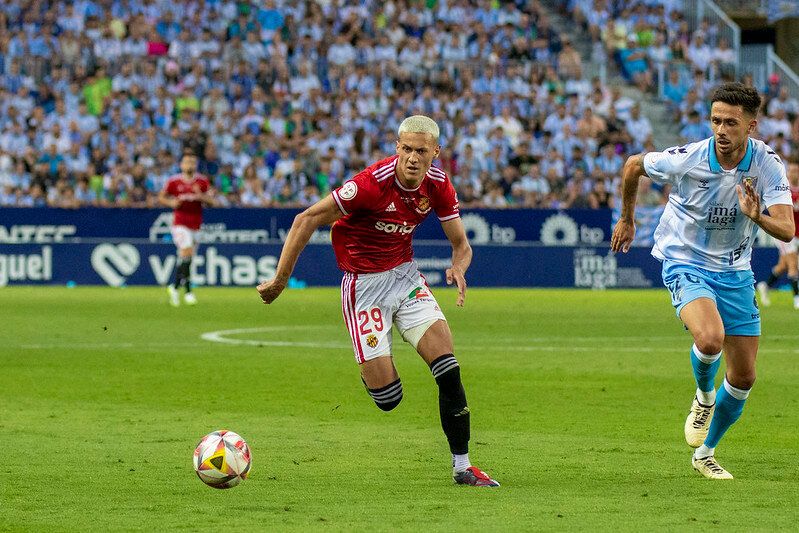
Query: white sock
706	398
704	451
460	462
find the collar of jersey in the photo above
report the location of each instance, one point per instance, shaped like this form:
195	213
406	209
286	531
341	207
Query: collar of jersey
744	165
397	181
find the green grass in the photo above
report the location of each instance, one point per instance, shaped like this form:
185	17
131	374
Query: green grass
578	402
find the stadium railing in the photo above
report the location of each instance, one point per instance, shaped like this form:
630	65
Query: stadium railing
727	28
761	61
744	7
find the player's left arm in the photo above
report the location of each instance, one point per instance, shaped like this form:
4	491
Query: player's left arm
779	221
205	194
461	256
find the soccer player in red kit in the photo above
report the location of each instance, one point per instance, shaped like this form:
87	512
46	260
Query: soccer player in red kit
185	193
373	216
789	251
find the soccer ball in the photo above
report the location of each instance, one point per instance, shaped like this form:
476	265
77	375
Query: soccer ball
222	459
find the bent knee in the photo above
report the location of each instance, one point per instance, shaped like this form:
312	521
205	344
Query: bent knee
709	342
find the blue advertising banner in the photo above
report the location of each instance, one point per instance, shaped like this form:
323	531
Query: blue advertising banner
118	263
248	226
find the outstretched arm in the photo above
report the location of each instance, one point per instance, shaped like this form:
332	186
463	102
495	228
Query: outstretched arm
461	256
322	213
624	232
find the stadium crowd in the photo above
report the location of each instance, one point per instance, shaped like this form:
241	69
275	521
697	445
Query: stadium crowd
646	37
283	101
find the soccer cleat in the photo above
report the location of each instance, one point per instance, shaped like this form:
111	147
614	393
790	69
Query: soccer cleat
174	297
190	299
708	467
796	302
762	290
698	423
475	477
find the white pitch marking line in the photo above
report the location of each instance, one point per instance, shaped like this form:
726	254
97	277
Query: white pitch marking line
221	336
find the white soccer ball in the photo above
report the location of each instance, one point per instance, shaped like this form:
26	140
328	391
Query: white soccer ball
222	459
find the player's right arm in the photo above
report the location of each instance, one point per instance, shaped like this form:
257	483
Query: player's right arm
624	232
167	199
322	213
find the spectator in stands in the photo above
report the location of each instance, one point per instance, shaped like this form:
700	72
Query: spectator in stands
696	129
285	82
634	65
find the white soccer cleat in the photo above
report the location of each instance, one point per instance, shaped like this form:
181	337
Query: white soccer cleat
796	302
708	467
762	290
190	299
698	423
174	297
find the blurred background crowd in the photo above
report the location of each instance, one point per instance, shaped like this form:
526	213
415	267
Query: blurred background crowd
284	100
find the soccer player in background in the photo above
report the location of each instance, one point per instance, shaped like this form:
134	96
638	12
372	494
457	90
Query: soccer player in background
374	216
720	187
788	250
185	193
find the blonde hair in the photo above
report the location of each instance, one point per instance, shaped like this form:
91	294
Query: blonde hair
419	124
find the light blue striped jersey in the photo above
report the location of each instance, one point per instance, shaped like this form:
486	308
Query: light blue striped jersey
702	224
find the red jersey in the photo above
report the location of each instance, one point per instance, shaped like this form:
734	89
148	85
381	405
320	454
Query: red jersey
380	216
189	213
795	201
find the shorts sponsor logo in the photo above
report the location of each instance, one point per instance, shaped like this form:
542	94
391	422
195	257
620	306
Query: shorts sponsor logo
417	293
348	191
391	227
371	341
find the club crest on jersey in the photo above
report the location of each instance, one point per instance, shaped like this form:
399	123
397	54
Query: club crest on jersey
750	180
371	341
423	205
348	191
417	293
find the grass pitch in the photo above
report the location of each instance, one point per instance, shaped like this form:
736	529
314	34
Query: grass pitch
578	402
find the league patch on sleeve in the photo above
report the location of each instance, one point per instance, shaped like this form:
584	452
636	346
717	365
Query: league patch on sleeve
348	191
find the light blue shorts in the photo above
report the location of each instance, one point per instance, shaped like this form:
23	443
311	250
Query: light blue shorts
733	293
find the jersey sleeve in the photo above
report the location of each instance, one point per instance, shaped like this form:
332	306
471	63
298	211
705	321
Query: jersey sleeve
357	193
776	189
667	166
169	188
205	185
446	202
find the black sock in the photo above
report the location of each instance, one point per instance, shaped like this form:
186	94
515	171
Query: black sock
185	272
388	397
178	274
452	403
772	280
795	286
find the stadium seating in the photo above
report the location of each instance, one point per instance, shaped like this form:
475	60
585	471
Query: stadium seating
285	101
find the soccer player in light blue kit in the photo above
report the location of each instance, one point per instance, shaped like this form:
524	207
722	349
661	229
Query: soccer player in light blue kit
720	188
